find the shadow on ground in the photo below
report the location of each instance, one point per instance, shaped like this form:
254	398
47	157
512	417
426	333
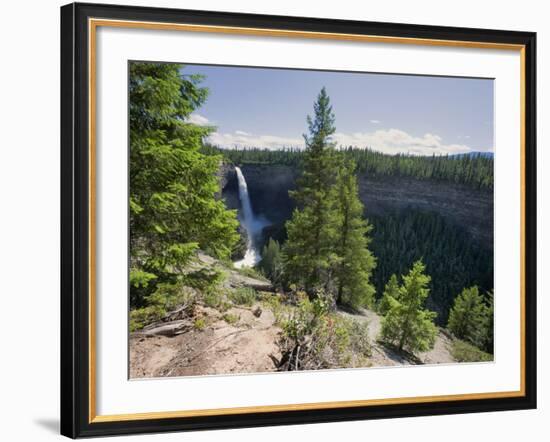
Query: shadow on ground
51	425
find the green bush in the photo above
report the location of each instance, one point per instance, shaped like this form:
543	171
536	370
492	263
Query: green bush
166	298
243	296
465	352
359	338
274	304
140	317
212	298
231	318
205	279
200	324
313	338
251	272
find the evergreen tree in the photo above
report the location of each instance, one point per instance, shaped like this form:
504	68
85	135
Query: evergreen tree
271	263
470	318
355	261
309	250
173	206
407	324
391	291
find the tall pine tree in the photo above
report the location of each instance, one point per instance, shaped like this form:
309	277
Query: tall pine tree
309	249
355	261
173	206
407	324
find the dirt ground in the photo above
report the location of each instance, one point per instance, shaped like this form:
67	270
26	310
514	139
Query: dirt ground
247	346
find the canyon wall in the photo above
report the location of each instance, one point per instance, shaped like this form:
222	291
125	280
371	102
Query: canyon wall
268	186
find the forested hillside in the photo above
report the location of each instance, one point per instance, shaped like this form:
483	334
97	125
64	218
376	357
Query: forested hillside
475	170
452	258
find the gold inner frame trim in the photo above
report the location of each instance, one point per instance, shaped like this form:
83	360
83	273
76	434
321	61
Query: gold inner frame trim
93	24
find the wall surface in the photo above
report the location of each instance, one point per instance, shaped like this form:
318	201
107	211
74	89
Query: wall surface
29	221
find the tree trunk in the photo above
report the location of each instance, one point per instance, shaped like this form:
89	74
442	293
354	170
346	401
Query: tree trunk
402	342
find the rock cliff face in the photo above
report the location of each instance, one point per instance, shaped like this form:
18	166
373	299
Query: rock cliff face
268	187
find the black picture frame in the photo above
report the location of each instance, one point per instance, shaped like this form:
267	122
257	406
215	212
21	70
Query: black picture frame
75	221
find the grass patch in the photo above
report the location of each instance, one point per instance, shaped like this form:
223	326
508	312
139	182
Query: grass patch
141	317
465	352
243	296
165	299
231	318
212	298
199	324
252	273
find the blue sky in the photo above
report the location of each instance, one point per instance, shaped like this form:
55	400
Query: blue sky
390	113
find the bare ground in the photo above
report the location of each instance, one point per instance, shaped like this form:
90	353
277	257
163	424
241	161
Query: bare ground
247	346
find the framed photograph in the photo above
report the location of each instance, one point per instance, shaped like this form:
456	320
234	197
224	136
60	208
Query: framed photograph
274	220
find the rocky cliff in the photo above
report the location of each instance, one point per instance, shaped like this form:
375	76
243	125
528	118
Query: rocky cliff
268	186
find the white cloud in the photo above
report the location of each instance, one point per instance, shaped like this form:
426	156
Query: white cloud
198	120
375	121
390	141
241	139
393	141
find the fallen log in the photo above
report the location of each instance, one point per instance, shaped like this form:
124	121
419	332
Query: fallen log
172	328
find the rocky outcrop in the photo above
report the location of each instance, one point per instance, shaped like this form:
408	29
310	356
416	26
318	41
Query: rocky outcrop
268	186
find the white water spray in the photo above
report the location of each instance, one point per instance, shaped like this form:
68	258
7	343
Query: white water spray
250	224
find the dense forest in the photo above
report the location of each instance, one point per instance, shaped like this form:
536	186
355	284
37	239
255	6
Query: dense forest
475	169
453	259
415	269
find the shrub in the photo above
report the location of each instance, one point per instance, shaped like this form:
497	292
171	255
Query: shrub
275	304
313	338
243	296
465	352
199	324
251	272
205	279
231	318
165	298
212	298
140	317
359	338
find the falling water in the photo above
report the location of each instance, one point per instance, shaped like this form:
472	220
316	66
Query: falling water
250	223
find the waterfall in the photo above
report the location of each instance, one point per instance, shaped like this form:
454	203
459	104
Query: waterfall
250	224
